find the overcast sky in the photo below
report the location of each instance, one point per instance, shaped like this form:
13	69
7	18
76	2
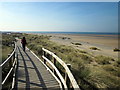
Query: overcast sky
59	16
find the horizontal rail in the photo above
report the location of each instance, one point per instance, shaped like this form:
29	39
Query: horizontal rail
14	75
12	64
68	72
12	68
57	72
8	59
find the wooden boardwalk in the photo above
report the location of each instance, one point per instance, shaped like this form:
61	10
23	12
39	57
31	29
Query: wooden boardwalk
32	74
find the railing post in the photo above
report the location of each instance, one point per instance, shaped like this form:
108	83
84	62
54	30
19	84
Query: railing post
66	76
44	55
54	62
48	56
1	78
10	62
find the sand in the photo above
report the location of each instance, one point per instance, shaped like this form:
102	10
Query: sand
106	43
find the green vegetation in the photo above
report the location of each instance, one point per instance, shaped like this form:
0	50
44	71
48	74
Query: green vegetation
116	49
94	48
76	43
102	60
7	48
5	51
64	38
7	45
90	71
103	74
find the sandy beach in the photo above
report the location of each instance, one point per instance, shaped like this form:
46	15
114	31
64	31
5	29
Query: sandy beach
106	43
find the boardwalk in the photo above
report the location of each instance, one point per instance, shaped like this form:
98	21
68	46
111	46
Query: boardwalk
31	73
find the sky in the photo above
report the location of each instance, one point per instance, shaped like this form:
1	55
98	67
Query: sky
59	16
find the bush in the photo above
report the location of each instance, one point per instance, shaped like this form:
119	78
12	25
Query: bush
117	63
116	49
94	48
76	43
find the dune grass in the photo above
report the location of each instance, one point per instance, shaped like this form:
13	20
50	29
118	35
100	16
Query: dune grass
7	42
5	51
6	48
102	75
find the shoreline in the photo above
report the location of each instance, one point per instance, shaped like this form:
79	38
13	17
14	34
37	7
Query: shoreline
106	43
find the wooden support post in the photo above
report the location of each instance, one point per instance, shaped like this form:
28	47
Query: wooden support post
45	56
66	76
42	52
44	61
1	78
10	62
54	62
14	56
17	56
48	56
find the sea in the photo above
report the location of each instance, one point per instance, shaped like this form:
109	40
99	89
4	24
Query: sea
99	33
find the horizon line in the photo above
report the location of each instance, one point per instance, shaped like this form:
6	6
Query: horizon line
63	31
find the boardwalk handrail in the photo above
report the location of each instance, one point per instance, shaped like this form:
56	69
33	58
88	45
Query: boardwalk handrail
58	73
68	72
12	64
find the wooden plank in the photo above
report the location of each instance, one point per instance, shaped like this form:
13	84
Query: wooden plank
38	76
58	73
71	77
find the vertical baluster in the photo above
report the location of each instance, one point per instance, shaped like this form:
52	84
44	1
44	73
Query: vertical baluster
10	61
1	78
45	56
66	76
54	62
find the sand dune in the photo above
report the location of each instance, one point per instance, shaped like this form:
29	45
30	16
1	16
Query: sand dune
106	43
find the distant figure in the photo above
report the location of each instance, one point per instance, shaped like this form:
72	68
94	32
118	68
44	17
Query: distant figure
23	41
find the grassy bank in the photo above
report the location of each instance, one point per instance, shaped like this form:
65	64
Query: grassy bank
90	71
7	48
7	45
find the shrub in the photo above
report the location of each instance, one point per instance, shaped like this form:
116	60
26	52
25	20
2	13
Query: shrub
116	49
94	48
64	38
117	63
76	43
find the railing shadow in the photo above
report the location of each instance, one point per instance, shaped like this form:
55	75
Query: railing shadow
37	72
42	85
26	71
